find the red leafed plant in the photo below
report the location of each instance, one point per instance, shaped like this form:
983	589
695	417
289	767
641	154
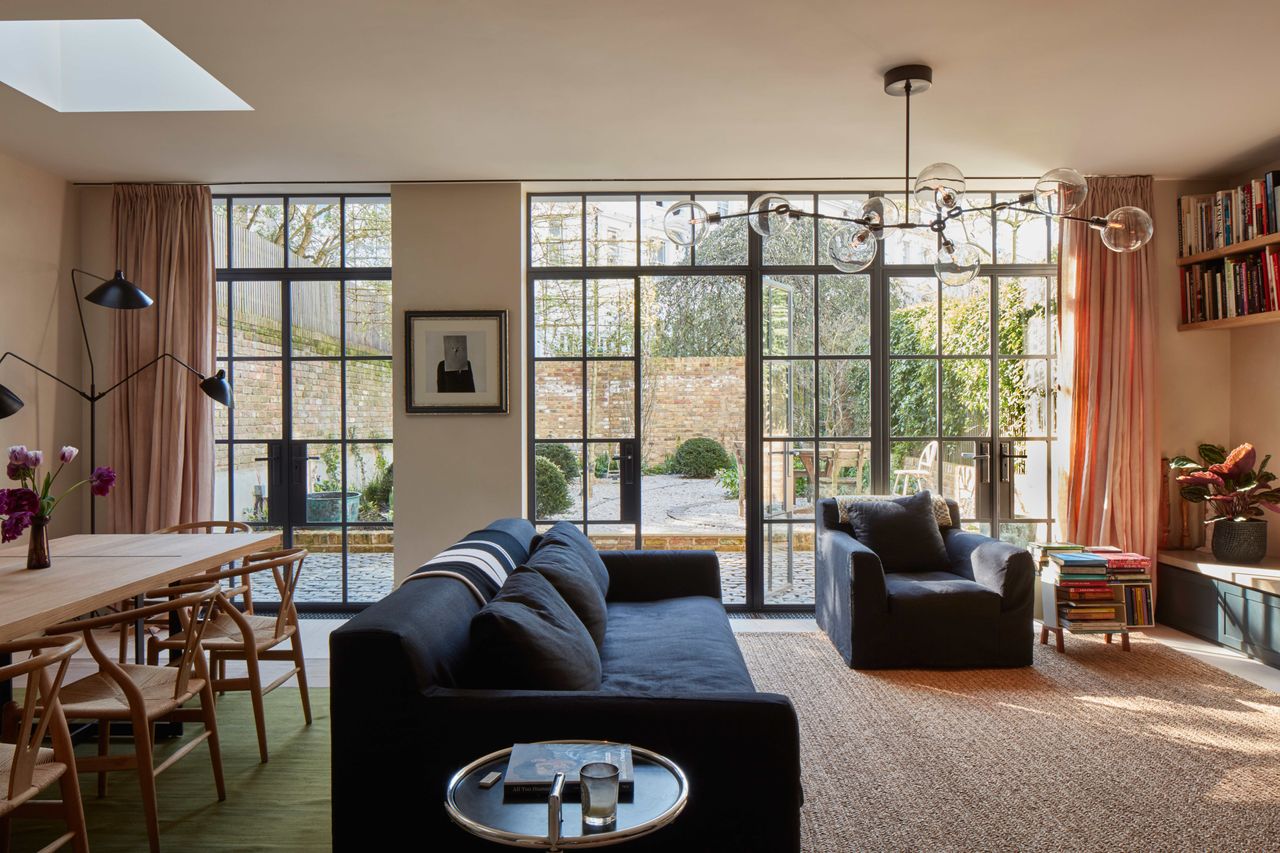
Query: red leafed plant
1228	482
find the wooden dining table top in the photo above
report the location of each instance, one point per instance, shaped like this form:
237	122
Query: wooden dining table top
93	570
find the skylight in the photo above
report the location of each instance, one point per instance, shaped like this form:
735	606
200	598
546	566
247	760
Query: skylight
106	66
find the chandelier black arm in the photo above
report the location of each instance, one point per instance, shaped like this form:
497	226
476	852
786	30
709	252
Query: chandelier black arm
40	369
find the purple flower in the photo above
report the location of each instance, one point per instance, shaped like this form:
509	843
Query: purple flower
101	481
4	501
16	470
34	458
11	528
18	454
23	501
67	453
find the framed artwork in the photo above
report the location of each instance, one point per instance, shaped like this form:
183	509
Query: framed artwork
457	362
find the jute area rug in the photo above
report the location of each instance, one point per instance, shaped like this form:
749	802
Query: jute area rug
1095	749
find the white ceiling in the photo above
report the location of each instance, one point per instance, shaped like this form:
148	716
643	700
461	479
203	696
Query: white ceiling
387	90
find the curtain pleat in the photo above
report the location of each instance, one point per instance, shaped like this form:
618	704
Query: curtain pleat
162	436
1107	392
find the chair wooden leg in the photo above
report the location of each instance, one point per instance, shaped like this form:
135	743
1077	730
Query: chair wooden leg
255	698
300	660
73	808
210	714
104	749
143	748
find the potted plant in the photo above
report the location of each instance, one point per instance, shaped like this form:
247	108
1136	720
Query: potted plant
1235	493
31	503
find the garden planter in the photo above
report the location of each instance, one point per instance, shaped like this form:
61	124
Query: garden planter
326	507
1240	541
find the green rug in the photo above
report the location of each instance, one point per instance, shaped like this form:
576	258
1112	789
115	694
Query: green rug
278	806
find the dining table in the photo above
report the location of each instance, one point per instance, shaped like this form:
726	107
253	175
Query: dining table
94	570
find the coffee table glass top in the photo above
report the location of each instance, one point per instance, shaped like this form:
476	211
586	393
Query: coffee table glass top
661	792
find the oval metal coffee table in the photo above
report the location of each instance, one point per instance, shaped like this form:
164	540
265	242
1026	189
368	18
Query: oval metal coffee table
661	791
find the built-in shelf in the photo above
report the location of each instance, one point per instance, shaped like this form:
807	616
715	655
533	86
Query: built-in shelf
1234	249
1260	319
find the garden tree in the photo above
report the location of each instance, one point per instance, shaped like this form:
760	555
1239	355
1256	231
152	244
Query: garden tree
315	231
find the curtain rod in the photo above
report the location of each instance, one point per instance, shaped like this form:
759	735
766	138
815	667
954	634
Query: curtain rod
553	180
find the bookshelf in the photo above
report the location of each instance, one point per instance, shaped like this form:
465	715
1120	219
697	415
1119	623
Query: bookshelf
1226	282
1118	596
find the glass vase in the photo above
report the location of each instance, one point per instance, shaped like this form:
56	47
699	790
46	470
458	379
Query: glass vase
38	549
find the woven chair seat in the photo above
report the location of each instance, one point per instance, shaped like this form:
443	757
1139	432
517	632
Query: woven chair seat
224	635
97	697
46	772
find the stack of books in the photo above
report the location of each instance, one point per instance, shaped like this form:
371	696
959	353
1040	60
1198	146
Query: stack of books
1086	600
1235	287
1217	220
1040	551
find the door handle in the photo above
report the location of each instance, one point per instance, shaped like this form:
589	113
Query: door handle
1006	469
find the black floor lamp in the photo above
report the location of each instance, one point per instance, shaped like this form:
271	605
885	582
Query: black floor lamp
121	294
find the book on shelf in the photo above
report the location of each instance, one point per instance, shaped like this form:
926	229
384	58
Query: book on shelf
1137	606
1109	625
1040	551
1232	287
533	766
1102	549
1209	221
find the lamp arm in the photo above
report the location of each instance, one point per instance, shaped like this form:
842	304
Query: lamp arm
40	369
83	329
153	361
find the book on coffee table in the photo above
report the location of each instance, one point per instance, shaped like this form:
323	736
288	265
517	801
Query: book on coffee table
532	766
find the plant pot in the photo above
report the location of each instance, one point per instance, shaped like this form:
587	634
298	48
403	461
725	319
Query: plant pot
38	548
326	507
1240	541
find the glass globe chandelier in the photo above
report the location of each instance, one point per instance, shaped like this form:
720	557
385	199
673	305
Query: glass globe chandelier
939	191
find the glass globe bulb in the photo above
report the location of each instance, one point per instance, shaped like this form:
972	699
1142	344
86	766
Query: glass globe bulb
882	210
764	218
1128	229
685	223
957	264
852	248
939	187
1061	191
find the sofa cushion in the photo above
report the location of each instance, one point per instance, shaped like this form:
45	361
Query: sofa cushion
573	579
942	596
676	646
903	532
565	535
528	638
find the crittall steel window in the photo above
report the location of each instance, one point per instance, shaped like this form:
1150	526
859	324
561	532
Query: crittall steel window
795	381
304	333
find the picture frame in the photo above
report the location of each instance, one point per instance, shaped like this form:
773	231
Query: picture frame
456	362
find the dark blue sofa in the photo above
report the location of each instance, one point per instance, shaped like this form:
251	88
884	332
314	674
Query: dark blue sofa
977	613
674	681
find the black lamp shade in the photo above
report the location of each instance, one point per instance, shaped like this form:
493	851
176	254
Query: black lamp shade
119	293
10	402
216	387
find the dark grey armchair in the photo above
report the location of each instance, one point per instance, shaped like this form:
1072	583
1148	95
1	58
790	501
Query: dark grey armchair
976	614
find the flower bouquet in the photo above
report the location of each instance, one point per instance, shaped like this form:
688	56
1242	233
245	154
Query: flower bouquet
31	503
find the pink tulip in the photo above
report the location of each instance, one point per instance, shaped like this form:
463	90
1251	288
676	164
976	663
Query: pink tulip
34	458
101	481
67	453
18	454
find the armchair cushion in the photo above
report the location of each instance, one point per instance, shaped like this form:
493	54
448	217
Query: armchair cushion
527	638
948	598
902	532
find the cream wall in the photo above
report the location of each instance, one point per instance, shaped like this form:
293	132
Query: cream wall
38	248
456	246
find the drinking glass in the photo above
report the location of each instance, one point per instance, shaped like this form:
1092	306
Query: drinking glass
599	793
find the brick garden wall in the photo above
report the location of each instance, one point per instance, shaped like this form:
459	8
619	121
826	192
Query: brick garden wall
684	398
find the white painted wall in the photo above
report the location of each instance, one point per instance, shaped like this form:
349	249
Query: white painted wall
456	246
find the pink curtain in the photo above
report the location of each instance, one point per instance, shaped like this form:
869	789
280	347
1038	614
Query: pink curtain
162	423
1109	494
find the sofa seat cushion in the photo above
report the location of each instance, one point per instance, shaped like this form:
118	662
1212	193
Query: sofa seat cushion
528	638
676	646
945	596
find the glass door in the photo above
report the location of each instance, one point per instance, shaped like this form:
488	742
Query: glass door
304	333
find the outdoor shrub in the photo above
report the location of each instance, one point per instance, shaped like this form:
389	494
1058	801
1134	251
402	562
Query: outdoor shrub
564	458
600	465
550	489
727	479
700	458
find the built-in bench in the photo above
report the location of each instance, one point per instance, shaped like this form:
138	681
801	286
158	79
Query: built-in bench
1231	605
